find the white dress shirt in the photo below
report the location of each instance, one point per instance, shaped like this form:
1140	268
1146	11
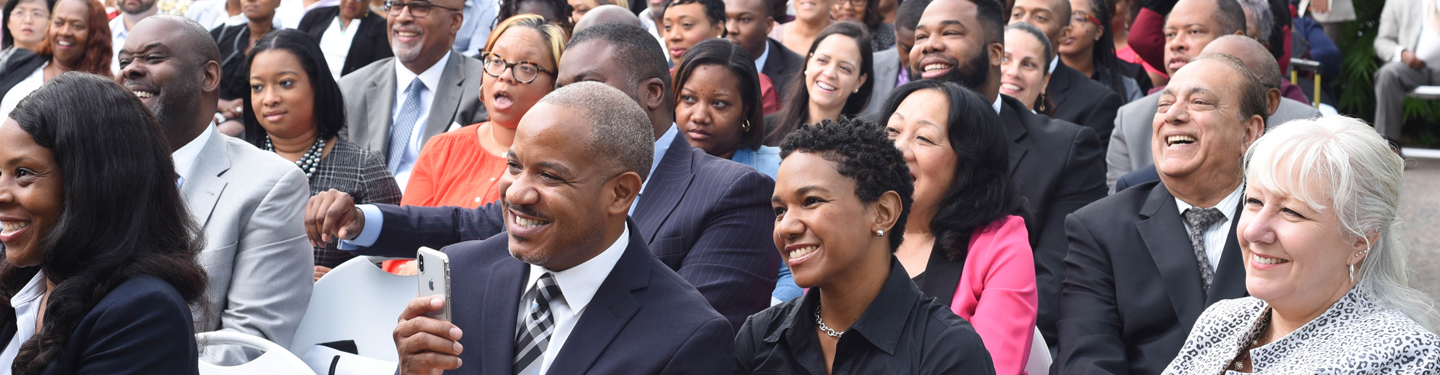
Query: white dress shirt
335	44
185	157
117	40
1218	233
31	83
27	310
374	220
212	14
760	61
290	12
577	287
403	76
654	30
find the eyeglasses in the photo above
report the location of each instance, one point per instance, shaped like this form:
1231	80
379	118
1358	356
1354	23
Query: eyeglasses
1081	18
417	8
523	71
854	3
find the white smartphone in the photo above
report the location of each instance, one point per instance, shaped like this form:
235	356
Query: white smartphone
434	279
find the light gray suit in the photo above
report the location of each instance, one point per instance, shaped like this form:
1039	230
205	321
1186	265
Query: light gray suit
1400	25
370	101
251	204
1134	124
887	70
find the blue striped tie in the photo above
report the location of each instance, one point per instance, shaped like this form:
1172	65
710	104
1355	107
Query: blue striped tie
404	125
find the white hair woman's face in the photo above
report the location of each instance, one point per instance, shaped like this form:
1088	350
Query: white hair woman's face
1296	256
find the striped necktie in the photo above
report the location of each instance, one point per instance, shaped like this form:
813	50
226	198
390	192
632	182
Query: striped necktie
536	326
404	125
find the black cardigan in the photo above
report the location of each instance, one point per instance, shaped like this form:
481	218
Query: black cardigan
370	45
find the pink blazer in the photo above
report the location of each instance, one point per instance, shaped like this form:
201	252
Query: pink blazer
997	292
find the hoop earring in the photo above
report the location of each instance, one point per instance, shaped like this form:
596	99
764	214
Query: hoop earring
745	128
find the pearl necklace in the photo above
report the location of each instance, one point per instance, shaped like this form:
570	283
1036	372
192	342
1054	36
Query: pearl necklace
308	162
825	328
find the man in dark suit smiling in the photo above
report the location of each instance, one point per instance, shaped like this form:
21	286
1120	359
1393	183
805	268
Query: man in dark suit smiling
707	218
578	281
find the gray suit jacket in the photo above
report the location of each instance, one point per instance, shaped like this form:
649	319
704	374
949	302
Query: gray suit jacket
887	70
251	204
1400	25
1134	123
370	101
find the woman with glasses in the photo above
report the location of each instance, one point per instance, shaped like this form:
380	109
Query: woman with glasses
463	167
25	26
1088	49
882	35
235	41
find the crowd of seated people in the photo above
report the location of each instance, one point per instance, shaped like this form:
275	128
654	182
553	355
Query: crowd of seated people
711	186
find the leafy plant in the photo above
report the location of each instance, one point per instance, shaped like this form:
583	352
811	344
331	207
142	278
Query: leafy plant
1355	85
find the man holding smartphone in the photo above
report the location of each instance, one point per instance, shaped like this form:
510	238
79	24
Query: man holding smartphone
577	274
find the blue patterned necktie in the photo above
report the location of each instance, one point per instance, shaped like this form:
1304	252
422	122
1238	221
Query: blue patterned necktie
1199	221
536	326
404	125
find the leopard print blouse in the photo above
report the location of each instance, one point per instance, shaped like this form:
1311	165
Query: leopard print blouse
1354	336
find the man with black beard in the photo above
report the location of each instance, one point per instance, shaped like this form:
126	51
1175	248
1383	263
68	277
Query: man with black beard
1058	166
250	203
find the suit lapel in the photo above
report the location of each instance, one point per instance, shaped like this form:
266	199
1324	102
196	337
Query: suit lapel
447	97
1167	240
1230	274
1060	83
1011	118
667	186
379	113
203	186
498	319
609	311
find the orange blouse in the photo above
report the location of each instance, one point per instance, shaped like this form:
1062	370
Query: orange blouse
455	170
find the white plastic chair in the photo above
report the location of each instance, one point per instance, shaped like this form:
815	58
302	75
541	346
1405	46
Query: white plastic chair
1425	93
356	301
276	359
1039	363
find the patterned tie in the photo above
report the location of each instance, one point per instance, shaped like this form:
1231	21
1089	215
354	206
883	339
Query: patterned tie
404	125
536	326
1199	221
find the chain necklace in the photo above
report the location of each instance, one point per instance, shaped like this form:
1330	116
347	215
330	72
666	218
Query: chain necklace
308	162
825	328
1239	363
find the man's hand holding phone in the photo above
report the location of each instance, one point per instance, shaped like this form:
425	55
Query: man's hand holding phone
426	345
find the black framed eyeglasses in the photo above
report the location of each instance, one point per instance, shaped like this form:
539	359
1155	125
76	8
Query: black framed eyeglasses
523	71
417	8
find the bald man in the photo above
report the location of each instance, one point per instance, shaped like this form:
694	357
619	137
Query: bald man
606	14
571	277
251	203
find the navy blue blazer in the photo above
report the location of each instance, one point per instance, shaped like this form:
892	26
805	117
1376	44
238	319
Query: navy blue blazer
141	327
707	218
644	319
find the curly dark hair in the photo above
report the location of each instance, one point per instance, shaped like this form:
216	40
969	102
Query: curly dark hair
982	190
862	152
123	216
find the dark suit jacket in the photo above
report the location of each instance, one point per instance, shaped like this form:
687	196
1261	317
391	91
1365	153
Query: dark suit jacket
1146	174
782	65
370	101
1058	167
707	218
141	327
644	319
1080	100
370	43
1132	289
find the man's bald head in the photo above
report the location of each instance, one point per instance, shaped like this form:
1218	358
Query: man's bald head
621	136
1249	51
187	35
606	14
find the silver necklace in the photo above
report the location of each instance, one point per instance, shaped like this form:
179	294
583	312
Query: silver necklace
309	161
825	328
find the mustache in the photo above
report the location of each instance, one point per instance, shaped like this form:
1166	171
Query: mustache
525	210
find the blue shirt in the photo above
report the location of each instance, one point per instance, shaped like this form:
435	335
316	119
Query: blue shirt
765	160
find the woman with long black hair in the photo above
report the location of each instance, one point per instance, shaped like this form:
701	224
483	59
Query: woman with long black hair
100	251
1088	49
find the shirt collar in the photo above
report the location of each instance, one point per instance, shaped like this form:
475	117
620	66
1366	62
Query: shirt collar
996	105
1226	206
185	157
880	324
579	284
760	61
431	75
32	291
117	28
1054	62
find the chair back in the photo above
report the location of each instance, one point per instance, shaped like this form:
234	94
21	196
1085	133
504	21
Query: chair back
356	301
275	360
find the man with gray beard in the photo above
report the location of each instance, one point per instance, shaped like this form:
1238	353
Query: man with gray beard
397	104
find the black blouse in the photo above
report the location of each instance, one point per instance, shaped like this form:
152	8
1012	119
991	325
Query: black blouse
901	332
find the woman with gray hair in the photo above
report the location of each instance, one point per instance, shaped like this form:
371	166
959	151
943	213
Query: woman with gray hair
1323	264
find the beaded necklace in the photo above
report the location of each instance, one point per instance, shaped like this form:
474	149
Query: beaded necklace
308	162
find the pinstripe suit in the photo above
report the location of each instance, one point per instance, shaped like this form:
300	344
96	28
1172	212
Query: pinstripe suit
707	218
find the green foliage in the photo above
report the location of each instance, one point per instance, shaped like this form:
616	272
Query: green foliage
1355	84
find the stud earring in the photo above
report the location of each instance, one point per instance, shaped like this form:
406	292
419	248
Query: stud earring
879	233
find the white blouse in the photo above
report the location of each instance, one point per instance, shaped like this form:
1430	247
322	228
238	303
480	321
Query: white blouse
1354	336
31	83
27	310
